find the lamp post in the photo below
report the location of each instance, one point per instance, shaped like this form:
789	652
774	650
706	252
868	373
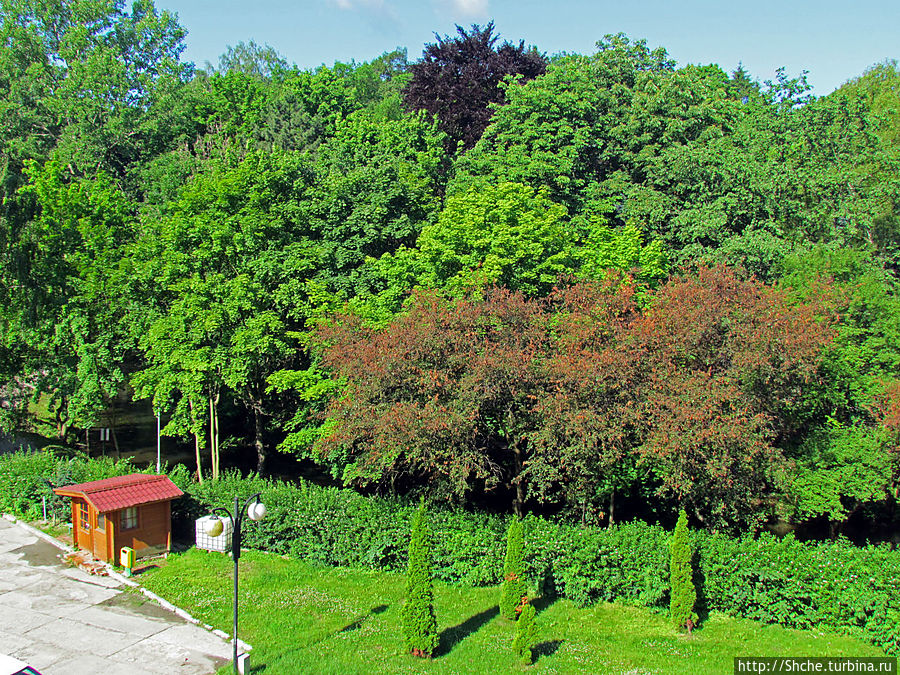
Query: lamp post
256	510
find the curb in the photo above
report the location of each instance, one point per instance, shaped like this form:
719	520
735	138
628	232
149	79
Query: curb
113	574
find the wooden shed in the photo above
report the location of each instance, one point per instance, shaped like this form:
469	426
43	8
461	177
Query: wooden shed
133	511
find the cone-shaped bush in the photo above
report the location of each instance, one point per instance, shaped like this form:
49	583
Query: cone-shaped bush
513	589
417	616
525	634
683	593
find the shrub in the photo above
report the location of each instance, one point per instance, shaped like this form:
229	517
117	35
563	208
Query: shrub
525	634
417	616
23	477
684	595
513	589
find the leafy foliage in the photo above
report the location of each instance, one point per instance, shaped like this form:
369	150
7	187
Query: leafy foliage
184	232
568	397
439	396
513	236
729	361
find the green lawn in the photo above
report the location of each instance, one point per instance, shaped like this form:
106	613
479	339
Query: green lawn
302	619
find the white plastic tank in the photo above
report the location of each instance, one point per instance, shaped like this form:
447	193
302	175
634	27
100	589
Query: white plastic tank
222	542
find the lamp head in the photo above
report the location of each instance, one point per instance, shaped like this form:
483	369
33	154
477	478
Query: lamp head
213	526
256	511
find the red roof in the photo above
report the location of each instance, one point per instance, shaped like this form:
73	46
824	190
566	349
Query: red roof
121	492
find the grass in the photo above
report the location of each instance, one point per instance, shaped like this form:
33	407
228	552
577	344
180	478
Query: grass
305	619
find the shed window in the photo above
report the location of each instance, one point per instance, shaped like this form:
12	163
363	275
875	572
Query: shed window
84	519
130	518
101	522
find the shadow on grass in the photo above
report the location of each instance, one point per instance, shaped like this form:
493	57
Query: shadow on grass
543	602
450	637
354	625
545	649
145	568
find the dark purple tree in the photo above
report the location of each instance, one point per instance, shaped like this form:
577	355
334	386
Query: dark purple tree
459	77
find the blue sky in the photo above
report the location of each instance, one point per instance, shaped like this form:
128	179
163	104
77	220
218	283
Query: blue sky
833	40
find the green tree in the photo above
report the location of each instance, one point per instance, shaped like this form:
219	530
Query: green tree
417	616
376	183
514	590
843	461
879	85
67	321
526	634
513	236
683	594
261	61
223	277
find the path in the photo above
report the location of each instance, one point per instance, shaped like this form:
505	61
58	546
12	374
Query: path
64	621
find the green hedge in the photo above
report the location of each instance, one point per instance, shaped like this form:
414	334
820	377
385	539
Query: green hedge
23	475
795	584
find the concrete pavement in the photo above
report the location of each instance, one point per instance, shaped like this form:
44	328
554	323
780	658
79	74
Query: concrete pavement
64	621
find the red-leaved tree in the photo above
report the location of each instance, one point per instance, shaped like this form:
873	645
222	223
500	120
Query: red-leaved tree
582	446
579	396
443	397
727	359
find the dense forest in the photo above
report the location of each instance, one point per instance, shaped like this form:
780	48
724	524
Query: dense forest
603	286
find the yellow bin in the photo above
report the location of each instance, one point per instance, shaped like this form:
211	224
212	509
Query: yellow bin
126	559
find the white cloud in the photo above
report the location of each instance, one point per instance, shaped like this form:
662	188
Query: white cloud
355	4
471	8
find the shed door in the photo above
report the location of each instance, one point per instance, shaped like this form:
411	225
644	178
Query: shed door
83	525
99	548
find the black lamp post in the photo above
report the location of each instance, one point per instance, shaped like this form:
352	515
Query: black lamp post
256	510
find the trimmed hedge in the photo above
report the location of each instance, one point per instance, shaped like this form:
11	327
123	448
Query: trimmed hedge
784	581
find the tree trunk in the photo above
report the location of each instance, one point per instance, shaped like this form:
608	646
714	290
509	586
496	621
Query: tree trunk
519	502
116	442
612	507
62	425
197	447
261	454
214	434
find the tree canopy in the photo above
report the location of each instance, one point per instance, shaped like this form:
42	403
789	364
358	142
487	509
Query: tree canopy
602	284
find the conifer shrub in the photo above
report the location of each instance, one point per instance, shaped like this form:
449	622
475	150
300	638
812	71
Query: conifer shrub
513	590
417	616
525	634
683	594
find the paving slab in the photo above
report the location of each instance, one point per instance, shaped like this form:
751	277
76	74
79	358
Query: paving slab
89	664
159	657
64	621
41	655
16	620
52	606
92	639
189	634
120	620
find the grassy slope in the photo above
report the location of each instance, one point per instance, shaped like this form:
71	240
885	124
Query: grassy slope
305	619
